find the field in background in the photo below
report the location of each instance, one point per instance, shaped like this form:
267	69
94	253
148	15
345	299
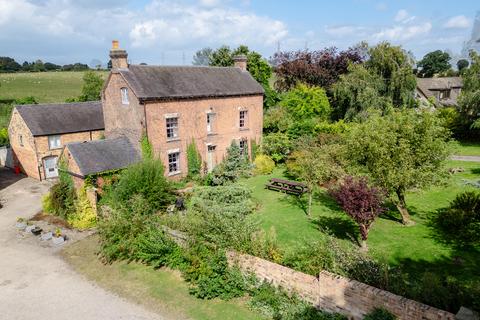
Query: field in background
46	87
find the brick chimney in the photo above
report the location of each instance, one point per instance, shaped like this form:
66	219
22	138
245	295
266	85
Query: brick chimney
240	61
118	56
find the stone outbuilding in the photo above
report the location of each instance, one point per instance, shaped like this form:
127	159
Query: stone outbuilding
38	133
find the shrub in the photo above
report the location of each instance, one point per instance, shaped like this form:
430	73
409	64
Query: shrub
147	151
306	102
4	140
47	205
232	167
380	314
277	146
62	196
146	179
461	220
194	161
263	164
84	216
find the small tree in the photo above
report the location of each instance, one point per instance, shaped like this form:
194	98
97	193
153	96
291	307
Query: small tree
433	63
92	87
361	202
231	167
306	102
194	160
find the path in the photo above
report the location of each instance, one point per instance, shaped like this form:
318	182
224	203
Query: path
466	158
35	283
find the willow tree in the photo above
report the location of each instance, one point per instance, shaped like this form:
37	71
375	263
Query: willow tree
400	151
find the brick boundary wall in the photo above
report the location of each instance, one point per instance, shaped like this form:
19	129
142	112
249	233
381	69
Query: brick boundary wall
333	293
329	292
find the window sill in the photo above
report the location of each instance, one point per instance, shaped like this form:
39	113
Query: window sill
53	149
173	139
212	134
170	174
244	129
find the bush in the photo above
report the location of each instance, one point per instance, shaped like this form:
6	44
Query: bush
4	140
307	102
277	146
194	161
380	314
47	205
146	179
263	164
62	197
232	167
84	216
461	220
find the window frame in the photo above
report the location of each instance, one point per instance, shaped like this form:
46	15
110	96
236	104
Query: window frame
244	148
243	119
20	140
56	146
172	129
210	122
173	163
124	95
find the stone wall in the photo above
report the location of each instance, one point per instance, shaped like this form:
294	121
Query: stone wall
333	293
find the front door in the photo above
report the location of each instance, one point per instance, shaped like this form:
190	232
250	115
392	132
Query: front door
210	157
50	166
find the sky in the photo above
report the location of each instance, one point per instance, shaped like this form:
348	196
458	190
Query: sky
169	32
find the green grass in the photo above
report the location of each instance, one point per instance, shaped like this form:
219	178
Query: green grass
46	87
163	291
468	149
416	248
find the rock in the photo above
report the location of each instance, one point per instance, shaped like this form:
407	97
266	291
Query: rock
466	314
21	225
46	236
58	240
30	228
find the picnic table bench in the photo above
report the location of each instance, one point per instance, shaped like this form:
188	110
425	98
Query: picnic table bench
287	186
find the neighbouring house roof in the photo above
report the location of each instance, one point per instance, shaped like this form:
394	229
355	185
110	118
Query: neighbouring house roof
174	82
103	155
59	118
427	86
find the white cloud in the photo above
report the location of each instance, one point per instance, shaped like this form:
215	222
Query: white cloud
401	15
209	3
181	24
343	31
402	33
458	22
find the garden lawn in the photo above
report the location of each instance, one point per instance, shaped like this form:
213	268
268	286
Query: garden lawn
46	87
468	149
420	247
163	291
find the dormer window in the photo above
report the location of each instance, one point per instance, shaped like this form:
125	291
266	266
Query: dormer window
124	92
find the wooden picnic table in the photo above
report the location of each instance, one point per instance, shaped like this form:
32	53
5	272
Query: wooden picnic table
287	186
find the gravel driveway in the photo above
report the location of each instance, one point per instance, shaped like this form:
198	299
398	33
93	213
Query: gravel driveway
35	283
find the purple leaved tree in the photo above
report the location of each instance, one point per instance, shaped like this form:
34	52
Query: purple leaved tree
363	203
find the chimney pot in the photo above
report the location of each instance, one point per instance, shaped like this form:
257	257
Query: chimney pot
240	61
118	56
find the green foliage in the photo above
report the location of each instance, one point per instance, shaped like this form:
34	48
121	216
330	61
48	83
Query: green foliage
434	62
4	140
277	119
394	66
194	161
275	303
358	92
84	215
380	314
47	205
461	220
253	148
331	128
307	102
147	150
233	166
400	151
462	64
264	164
469	99
277	146
146	179
92	87
61	200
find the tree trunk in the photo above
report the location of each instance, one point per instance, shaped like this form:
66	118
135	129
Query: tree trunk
310	196
363	246
363	235
402	208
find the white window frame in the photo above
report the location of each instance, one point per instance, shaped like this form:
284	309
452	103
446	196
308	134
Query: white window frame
243	119
171	128
54	142
173	166
210	121
244	148
124	95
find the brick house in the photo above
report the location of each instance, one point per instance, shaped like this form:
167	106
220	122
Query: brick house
39	132
173	106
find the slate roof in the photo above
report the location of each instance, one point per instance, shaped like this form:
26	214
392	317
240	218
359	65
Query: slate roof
103	155
427	86
176	82
48	119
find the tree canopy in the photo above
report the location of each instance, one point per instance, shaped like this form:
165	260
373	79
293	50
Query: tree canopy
469	100
306	102
434	62
399	151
